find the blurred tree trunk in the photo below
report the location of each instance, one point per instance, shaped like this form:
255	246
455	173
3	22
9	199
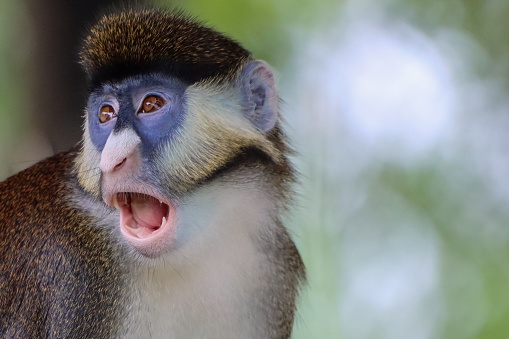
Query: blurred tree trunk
58	81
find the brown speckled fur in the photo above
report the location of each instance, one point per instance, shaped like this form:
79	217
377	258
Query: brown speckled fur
59	276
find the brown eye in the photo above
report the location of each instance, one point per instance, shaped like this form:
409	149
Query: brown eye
106	113
151	104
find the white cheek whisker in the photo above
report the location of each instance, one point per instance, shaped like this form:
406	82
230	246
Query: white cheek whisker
166	263
183	256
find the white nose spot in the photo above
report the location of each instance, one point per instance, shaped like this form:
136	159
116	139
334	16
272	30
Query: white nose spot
118	148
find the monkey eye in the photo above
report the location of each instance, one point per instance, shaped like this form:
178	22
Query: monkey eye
151	103
106	113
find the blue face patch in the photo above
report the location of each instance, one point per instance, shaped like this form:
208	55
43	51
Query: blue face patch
131	100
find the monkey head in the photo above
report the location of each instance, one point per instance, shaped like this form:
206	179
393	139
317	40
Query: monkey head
171	104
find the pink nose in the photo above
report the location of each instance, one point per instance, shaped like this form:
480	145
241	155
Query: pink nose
120	164
111	164
120	149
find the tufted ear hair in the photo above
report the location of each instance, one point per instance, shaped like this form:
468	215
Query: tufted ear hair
260	97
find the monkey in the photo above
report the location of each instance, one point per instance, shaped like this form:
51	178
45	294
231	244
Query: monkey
166	220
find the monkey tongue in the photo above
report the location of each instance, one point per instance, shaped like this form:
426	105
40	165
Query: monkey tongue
144	215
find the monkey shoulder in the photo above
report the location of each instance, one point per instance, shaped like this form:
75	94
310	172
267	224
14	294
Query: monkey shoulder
51	263
35	200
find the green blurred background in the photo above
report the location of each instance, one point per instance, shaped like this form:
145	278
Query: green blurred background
400	112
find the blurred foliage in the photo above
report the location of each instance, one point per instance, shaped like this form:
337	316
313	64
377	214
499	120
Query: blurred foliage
263	27
14	78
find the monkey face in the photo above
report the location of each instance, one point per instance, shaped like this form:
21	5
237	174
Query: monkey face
128	122
152	139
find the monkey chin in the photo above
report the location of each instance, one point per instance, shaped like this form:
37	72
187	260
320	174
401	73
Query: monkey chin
147	222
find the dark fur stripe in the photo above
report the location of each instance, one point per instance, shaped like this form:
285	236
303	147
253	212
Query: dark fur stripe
135	42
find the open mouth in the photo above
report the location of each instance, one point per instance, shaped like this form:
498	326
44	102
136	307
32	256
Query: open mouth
141	215
147	222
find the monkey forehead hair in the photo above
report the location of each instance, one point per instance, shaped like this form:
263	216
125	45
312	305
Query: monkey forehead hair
135	42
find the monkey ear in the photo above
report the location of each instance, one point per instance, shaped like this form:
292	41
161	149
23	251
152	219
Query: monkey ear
260	97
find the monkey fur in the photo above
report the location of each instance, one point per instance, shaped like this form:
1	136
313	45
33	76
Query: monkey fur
217	161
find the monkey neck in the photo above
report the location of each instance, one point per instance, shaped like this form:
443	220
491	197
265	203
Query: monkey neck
222	266
216	271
